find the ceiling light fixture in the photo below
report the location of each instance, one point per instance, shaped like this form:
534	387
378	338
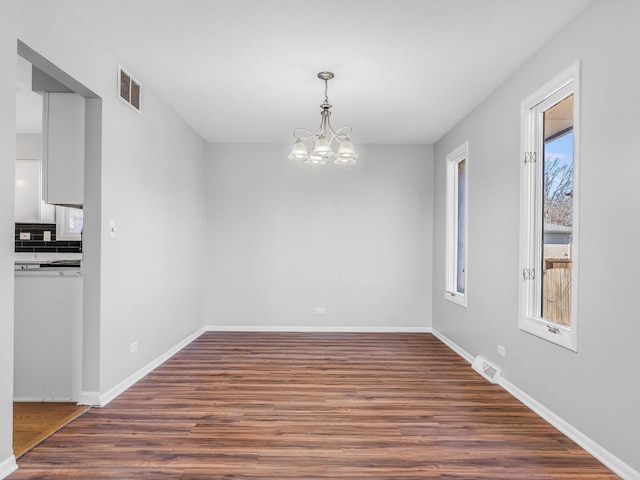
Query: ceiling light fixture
323	137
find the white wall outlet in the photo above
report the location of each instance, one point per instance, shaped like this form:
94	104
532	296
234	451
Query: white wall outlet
47	236
134	347
25	236
112	229
501	351
320	310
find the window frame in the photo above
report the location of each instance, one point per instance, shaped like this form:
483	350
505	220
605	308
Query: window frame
531	229
453	159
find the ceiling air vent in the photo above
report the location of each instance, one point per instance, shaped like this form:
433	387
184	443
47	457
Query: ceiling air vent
129	89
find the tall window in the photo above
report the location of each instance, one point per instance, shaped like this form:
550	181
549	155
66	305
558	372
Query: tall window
456	226
549	201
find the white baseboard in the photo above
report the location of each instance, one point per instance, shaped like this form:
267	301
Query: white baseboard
607	458
456	348
313	328
40	399
112	393
7	466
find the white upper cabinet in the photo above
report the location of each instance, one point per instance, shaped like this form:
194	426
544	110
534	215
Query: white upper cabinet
27	208
63	148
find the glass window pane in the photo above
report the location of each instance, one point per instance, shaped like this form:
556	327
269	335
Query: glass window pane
76	221
557	212
460	261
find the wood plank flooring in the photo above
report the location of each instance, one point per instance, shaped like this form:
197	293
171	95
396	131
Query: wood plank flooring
312	406
35	421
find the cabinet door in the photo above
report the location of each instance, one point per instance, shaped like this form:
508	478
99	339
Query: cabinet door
27	191
63	158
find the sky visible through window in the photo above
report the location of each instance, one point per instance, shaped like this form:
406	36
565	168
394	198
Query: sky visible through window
558	179
562	148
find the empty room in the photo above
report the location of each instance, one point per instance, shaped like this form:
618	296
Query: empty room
288	239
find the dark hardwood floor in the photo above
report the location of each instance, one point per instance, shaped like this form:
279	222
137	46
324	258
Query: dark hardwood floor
305	406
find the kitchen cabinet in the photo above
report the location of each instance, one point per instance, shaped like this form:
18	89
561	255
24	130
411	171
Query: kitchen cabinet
27	206
63	149
48	336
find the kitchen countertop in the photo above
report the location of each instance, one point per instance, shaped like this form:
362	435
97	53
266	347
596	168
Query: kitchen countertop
28	264
50	272
26	258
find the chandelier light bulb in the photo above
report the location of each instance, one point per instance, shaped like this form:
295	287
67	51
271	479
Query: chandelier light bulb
299	151
346	150
316	160
344	161
322	148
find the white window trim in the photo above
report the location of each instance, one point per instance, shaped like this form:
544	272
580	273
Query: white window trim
530	320
451	228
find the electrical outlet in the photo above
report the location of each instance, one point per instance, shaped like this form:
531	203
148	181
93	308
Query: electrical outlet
501	351
47	236
134	347
320	310
25	236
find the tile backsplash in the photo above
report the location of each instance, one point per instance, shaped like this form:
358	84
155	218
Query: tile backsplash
37	244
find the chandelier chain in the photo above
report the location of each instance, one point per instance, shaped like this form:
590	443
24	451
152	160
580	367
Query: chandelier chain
326	90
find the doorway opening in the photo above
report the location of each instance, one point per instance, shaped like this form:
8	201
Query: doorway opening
56	288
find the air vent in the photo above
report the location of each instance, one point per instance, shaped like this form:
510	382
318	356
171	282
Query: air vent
129	89
486	369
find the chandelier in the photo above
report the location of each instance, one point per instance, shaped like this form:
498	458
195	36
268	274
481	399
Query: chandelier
322	139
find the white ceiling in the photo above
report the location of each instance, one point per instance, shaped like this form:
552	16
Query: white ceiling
245	70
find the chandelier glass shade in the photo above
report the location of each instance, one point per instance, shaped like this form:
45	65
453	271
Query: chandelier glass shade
322	140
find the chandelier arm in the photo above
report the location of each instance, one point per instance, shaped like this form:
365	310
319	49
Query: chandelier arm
325	121
337	134
306	137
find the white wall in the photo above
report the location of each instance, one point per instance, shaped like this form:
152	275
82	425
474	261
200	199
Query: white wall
152	185
596	390
7	228
147	284
284	238
152	272
29	146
